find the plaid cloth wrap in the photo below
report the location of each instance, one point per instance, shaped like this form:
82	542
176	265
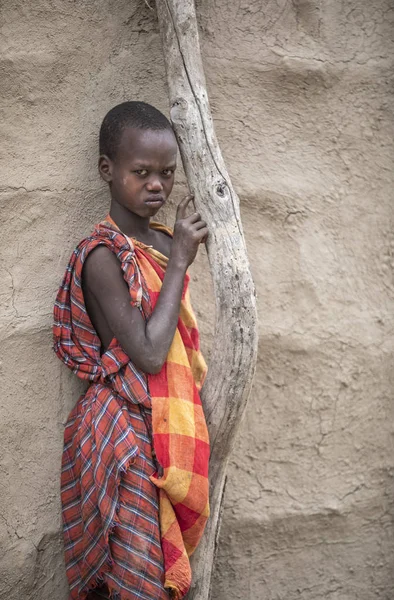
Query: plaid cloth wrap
109	501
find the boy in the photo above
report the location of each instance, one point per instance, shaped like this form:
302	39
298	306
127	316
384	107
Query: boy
135	461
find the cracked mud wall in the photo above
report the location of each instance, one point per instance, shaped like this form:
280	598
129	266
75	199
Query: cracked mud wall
302	98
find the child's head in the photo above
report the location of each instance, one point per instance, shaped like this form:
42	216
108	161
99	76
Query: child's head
133	115
138	153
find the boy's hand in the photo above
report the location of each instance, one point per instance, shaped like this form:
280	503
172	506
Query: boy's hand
189	232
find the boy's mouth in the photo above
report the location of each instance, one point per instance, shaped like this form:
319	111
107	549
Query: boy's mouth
155	200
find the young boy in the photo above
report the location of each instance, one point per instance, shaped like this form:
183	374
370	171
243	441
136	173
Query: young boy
135	461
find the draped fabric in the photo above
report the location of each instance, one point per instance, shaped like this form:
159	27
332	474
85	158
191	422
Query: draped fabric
130	509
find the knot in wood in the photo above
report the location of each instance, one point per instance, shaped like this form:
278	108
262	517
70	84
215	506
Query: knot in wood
178	110
221	189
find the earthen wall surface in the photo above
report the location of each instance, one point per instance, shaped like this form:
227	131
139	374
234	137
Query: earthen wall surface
302	99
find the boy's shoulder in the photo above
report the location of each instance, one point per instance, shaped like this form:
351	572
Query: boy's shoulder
103	235
101	243
111	245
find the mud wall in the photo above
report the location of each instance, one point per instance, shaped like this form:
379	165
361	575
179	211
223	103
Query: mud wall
302	98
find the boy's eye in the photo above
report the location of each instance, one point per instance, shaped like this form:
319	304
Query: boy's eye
141	172
168	172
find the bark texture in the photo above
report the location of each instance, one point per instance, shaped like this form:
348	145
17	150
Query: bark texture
234	350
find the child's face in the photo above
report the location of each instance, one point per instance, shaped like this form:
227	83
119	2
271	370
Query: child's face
141	176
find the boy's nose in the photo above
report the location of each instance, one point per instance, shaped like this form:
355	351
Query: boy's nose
154	185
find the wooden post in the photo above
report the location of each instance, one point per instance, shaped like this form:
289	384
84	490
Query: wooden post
234	350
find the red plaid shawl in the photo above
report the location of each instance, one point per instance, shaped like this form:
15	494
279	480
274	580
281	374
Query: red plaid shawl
108	499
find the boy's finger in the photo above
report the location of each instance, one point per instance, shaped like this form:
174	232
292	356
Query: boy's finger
200	224
204	234
182	206
194	218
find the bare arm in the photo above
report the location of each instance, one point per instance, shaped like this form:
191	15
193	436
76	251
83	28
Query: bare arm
146	343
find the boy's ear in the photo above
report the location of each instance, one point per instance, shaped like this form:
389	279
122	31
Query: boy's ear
105	168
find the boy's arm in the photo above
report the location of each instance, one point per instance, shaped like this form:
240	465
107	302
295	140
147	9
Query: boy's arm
146	343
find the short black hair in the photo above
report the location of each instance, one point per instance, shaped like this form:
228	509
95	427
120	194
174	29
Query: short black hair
139	115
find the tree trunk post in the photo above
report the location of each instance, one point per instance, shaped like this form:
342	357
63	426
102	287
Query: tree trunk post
234	351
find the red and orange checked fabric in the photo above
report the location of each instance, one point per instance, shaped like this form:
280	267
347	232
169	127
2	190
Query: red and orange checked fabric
102	447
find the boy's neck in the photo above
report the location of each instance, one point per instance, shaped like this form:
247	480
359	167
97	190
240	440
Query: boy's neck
129	223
